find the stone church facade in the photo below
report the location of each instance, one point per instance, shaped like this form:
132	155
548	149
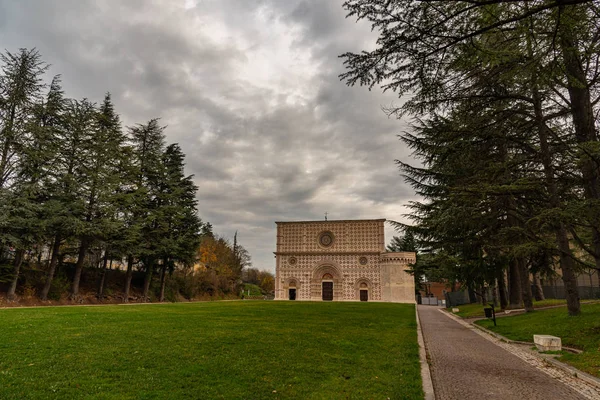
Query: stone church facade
340	261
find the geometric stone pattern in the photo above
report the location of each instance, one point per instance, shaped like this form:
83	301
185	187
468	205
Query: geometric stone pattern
354	257
355	236
351	270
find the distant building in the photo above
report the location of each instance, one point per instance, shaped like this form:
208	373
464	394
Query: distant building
340	261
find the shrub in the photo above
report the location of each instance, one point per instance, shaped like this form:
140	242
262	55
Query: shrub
60	285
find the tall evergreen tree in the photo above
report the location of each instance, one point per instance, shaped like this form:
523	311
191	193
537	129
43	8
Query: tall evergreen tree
28	192
498	58
65	207
148	142
178	225
100	183
20	89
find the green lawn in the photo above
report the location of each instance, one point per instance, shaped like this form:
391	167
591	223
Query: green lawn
476	310
218	350
582	332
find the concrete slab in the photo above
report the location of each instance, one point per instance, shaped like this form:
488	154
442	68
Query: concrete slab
547	343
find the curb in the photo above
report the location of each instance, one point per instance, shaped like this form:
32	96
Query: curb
571	371
592	380
507	340
425	371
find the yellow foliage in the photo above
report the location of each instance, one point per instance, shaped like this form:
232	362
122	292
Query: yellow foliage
208	251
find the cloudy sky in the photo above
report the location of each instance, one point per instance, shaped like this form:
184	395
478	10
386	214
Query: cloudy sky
250	90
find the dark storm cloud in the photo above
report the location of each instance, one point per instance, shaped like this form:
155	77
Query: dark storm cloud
250	90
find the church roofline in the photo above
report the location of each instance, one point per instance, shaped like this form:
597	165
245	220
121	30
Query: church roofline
325	253
331	220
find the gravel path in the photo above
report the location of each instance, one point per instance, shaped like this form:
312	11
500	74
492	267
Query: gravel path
466	365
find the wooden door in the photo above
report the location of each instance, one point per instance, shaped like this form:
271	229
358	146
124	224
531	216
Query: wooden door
364	295
327	291
292	295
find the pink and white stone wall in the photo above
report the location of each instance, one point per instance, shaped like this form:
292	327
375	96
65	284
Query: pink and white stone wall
349	253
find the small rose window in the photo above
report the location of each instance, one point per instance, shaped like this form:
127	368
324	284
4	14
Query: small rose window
326	239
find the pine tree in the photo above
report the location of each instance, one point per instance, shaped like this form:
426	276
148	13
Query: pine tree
472	67
28	192
65	207
20	89
179	224
148	145
406	242
100	183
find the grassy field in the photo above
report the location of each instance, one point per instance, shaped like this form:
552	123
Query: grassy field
476	310
582	332
221	350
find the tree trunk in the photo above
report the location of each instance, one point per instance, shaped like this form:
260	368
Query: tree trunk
537	285
163	273
51	269
472	296
495	296
582	112
525	285
568	272
79	268
515	296
588	170
103	276
147	281
128	277
17	268
502	290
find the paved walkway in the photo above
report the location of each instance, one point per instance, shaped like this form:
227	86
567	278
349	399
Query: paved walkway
466	365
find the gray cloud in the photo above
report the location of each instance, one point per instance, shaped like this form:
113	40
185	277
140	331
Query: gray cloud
249	89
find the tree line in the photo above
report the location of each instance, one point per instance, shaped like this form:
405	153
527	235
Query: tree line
502	99
74	182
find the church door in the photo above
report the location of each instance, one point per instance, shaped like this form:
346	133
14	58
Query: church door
364	295
292	294
327	291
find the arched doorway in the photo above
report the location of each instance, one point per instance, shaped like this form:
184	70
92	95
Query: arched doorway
292	290
363	289
364	292
327	287
326	282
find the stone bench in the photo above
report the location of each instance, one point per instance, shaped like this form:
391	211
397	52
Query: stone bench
547	343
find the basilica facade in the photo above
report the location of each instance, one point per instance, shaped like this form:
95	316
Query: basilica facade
340	261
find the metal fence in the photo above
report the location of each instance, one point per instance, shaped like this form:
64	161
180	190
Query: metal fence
454	299
558	292
430	301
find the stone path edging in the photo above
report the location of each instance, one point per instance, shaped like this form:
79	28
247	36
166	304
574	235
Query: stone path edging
471	321
425	371
566	367
579	381
507	340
